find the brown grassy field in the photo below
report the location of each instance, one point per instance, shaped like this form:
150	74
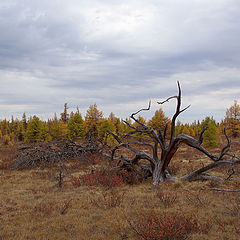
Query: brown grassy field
32	206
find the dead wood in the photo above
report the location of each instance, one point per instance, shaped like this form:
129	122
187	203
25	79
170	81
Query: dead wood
224	190
47	154
162	148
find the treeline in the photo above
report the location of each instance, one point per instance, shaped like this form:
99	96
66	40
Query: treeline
73	126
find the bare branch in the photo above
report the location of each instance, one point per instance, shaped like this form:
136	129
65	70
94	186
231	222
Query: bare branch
149	131
145	130
165	132
143	109
231	174
224	190
114	135
226	149
193	175
167	100
190	141
139	154
137	137
161	139
201	134
177	112
184	109
141	143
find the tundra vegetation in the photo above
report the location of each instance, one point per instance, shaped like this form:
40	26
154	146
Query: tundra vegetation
92	177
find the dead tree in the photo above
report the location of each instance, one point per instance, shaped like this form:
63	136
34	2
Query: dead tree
163	148
47	154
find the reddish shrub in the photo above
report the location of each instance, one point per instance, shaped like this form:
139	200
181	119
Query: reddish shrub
98	178
5	165
236	227
131	177
165	227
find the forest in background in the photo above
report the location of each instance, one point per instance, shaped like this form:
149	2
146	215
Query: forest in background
73	126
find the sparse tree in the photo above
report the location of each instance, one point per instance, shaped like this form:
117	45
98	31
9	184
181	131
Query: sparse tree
112	117
116	122
24	121
65	115
232	120
93	120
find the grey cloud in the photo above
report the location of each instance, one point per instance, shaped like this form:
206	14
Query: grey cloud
112	52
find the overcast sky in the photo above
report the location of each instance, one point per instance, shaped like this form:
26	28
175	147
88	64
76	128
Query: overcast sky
119	55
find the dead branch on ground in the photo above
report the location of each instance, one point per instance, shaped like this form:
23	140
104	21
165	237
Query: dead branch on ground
48	154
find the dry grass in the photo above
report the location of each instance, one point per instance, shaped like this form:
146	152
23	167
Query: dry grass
33	207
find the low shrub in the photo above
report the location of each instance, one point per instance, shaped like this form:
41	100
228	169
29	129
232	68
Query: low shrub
45	208
98	178
4	165
167	198
131	177
164	227
108	199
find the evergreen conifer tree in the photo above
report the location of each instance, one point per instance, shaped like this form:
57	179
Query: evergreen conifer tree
93	120
44	135
76	126
210	135
159	120
104	126
33	129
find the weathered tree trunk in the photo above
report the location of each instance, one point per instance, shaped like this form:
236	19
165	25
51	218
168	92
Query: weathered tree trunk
156	140
158	174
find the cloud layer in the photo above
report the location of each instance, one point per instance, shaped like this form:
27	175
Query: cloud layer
118	54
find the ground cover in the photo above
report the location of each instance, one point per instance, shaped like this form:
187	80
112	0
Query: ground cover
33	206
